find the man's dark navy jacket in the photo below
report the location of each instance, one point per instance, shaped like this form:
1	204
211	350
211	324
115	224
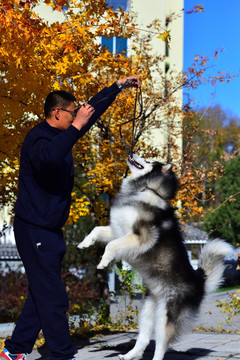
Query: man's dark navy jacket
46	168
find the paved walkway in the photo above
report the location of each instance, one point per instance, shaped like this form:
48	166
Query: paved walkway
194	346
197	345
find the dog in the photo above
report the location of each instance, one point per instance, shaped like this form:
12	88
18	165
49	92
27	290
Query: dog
145	232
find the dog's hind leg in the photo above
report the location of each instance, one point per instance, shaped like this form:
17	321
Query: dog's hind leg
146	327
99	233
161	335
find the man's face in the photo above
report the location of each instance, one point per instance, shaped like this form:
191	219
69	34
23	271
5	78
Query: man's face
65	116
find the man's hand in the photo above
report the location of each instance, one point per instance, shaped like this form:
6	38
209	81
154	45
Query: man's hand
130	81
83	116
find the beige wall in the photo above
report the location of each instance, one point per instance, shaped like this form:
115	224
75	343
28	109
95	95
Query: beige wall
149	10
47	13
146	11
176	46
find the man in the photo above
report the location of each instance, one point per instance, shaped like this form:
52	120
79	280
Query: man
41	209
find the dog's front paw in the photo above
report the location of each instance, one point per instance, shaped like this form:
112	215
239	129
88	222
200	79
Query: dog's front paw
108	256
103	263
88	241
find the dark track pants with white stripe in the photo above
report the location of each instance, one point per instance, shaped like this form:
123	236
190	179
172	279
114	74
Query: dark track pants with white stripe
45	308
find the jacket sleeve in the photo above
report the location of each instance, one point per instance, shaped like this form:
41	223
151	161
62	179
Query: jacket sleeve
45	153
101	101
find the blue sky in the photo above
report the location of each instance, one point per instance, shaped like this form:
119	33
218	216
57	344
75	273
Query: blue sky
218	26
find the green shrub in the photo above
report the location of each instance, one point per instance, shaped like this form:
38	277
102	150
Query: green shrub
13	292
14	288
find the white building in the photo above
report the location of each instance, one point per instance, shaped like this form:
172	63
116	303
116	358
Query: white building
149	10
170	14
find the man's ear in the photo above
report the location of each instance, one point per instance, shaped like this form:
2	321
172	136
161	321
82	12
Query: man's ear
56	113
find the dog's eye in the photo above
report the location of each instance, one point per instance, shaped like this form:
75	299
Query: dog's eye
149	161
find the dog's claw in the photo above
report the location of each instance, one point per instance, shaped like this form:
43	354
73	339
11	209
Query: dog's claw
100	267
88	241
106	259
82	245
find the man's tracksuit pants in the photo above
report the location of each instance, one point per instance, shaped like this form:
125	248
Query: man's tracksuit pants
45	308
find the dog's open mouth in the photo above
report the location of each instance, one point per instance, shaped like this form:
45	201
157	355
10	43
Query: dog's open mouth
135	163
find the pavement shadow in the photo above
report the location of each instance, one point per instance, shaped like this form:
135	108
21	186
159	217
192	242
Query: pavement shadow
122	348
190	354
44	351
98	346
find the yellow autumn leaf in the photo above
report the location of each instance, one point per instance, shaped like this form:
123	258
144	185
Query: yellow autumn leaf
166	37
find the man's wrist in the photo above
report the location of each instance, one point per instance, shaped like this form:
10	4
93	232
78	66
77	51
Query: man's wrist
120	86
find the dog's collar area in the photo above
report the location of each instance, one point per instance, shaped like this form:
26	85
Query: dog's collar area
148	188
135	163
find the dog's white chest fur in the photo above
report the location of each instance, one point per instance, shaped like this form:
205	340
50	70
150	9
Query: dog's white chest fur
122	220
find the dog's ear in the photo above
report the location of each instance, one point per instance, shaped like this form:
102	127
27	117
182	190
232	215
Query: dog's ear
167	167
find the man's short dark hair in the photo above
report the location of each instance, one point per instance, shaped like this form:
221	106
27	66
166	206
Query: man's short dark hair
59	98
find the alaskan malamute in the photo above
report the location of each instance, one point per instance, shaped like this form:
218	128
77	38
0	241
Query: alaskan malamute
144	231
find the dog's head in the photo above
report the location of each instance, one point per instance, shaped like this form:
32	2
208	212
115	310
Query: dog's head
153	175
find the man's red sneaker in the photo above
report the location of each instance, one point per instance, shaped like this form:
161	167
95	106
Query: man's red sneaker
5	355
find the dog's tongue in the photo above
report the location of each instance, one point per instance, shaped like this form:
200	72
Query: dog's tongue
135	163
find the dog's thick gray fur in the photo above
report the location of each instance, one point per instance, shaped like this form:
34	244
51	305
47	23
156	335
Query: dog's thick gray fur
144	231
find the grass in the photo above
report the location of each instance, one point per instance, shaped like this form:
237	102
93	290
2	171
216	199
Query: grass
214	330
230	288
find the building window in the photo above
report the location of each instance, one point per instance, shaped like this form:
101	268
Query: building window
64	7
116	45
116	4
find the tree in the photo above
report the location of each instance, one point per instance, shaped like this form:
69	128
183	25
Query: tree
224	220
213	140
37	57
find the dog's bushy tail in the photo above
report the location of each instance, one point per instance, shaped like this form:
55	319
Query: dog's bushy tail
211	260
